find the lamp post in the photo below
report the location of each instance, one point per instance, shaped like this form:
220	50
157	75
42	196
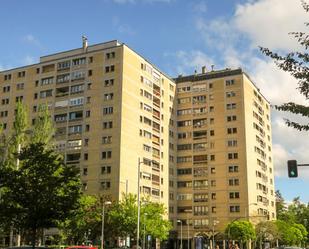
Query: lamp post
103	218
188	234
144	243
214	222
180	221
138	201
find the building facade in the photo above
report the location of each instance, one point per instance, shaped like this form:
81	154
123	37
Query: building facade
224	153
203	142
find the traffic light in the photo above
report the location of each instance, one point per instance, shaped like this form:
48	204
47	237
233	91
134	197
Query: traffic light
292	168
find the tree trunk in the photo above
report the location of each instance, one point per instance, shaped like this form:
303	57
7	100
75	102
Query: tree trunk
33	237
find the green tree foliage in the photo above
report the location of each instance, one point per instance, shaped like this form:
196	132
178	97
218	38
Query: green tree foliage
152	217
123	218
44	129
297	64
41	192
240	230
83	221
266	231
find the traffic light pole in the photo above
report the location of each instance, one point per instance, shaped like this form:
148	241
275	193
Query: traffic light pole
292	168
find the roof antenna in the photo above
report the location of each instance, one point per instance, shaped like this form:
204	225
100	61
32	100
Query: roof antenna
85	43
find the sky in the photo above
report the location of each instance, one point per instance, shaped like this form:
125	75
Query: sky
179	36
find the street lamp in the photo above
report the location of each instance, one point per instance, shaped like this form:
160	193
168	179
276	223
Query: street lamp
144	244
180	221
103	214
138	201
214	222
188	235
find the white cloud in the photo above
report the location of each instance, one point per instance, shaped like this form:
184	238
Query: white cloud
29	38
288	144
188	62
268	22
122	27
28	60
236	40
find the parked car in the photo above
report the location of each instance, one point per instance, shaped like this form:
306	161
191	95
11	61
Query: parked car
81	247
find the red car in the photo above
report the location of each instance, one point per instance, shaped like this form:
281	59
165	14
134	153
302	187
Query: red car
81	247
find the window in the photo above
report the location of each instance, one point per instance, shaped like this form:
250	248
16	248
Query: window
231	130
234	209
45	94
63	78
106	170
232	156
108	125
109	69
232	143
77	89
231	118
7	77
85	171
64	65
109	82
231	106
19	98
79	61
110	55
106	139
77	101
233	182
85	156
106	154
184	123
6	89
105	185
234	195
108	96
75	129
21	74
108	110
230	94
47	81
229	82
233	168
20	86
77	75
5	101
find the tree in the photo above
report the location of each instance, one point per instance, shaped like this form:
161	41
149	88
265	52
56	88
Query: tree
266	231
295	63
84	220
44	129
240	230
122	218
290	233
41	192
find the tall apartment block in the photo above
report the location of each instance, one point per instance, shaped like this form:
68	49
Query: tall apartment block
111	109
203	142
224	153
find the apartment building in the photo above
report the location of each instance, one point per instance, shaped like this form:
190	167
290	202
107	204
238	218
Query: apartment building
111	108
224	153
203	141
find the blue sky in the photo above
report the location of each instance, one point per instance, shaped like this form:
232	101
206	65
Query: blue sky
178	36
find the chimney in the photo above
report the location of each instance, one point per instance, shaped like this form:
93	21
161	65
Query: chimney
212	67
203	69
85	43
